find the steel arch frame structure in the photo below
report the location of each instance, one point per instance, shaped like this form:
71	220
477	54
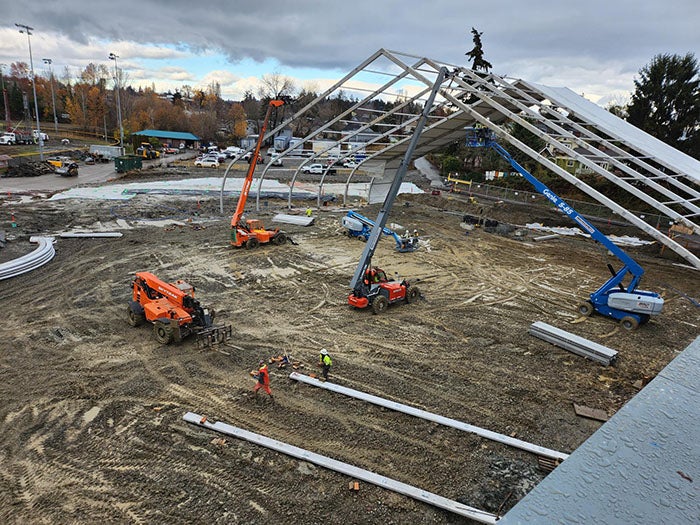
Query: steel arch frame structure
638	164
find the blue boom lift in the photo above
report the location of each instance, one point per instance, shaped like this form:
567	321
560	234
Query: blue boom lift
360	227
627	304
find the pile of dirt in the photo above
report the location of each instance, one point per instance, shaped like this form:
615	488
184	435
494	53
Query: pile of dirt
92	408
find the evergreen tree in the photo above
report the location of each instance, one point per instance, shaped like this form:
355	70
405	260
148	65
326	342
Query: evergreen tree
476	55
666	101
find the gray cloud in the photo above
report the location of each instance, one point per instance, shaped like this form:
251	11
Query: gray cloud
519	37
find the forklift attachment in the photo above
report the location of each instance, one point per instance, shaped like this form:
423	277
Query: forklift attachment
213	335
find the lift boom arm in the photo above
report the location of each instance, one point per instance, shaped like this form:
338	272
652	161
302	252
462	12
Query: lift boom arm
627	304
629	265
379	224
253	164
401	244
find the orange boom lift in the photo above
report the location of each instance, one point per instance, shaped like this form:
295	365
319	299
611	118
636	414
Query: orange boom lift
251	233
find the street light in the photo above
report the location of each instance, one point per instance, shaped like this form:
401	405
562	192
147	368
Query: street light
53	96
114	57
4	99
28	30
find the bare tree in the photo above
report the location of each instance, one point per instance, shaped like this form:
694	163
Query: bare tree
275	86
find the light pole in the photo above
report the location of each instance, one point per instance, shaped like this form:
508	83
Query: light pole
28	30
4	100
114	57
53	96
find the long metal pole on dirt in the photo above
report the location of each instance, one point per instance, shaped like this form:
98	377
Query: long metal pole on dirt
28	30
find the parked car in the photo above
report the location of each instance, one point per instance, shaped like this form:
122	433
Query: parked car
317	169
168	149
276	160
350	164
249	155
207	162
233	151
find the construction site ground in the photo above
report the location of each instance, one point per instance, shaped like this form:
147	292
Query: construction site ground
91	422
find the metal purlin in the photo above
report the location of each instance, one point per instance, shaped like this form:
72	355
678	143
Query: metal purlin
656	234
598	169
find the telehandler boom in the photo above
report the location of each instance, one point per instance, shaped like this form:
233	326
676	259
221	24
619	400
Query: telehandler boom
251	233
370	285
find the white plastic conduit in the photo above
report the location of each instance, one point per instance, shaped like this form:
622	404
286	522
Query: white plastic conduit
43	254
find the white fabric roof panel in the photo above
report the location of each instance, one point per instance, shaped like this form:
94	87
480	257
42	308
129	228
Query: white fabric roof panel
621	129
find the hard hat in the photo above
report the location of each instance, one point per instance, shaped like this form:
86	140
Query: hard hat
261	362
324	352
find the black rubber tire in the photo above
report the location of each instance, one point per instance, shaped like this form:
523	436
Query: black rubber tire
629	323
380	304
133	318
412	294
163	333
252	243
585	309
363	238
279	239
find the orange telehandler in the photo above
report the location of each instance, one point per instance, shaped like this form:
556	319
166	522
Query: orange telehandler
251	233
173	310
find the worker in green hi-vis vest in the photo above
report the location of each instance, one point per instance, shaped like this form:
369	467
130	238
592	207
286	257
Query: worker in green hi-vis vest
325	362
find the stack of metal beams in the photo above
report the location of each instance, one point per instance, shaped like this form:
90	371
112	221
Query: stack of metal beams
573	343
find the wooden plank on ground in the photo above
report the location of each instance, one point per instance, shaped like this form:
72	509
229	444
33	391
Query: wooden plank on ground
591	413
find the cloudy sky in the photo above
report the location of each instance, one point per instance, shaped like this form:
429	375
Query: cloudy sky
595	47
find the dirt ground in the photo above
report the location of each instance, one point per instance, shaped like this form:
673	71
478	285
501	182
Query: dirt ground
91	422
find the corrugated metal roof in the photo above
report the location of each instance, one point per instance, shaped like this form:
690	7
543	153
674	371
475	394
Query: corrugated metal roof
622	129
159	134
642	466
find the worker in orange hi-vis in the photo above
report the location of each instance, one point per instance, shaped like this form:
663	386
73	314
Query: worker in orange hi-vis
263	380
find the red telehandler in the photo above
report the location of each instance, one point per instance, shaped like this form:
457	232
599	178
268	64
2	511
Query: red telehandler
251	233
173	310
370	286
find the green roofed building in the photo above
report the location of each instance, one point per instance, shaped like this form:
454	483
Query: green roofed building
175	138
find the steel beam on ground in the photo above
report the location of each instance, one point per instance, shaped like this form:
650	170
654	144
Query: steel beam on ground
344	468
573	343
429	416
